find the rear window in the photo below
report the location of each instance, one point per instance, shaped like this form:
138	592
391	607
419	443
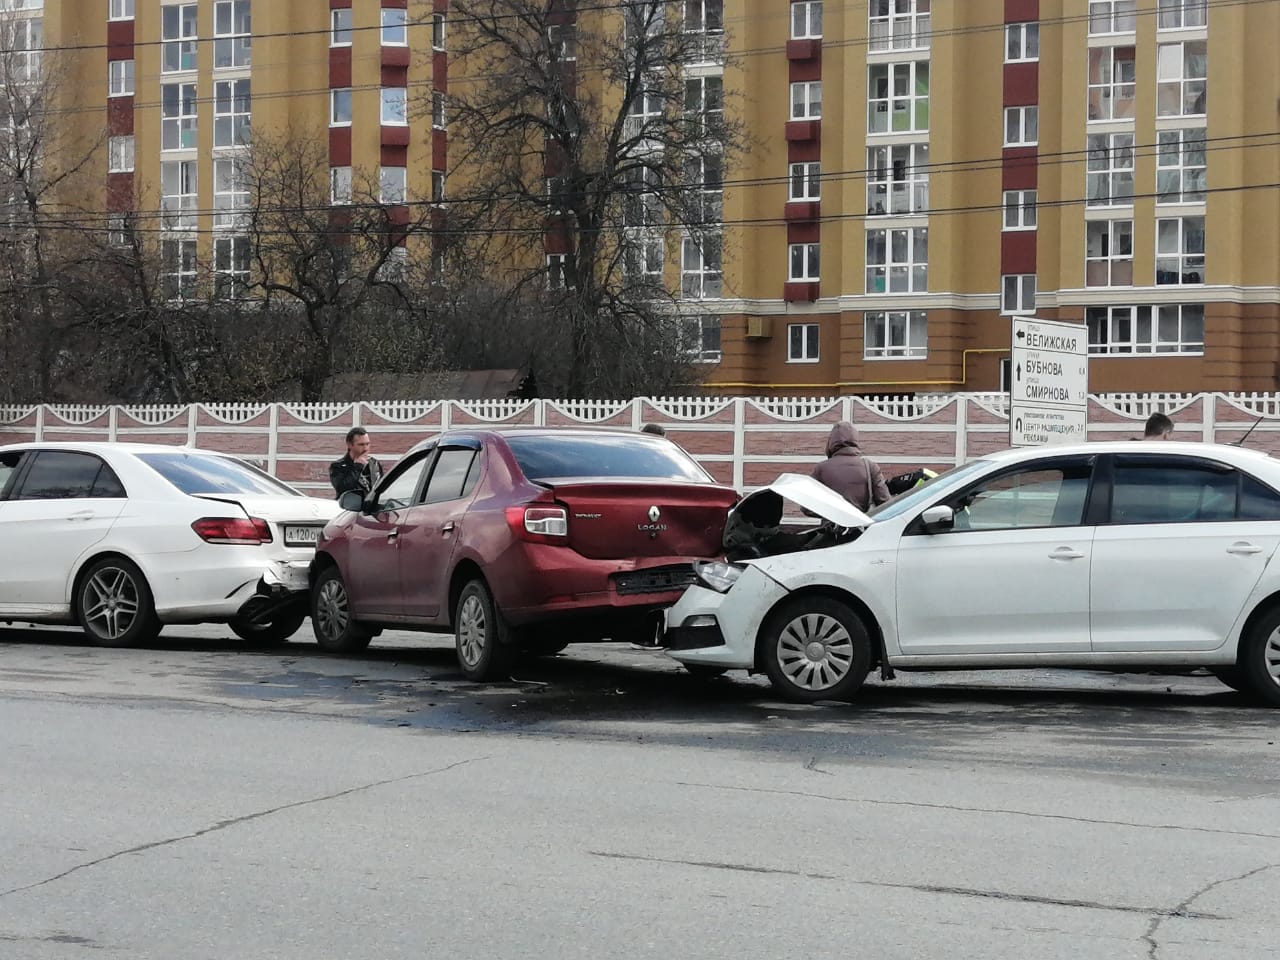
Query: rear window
195	473
551	457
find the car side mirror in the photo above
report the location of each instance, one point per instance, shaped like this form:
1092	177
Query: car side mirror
939	518
351	500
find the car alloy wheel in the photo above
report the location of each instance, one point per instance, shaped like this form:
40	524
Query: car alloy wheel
114	604
336	631
814	648
472	630
483	642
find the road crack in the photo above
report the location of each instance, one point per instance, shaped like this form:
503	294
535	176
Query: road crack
1183	909
236	821
917	887
923	805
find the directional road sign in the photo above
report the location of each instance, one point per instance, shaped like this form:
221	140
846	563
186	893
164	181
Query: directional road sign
1049	383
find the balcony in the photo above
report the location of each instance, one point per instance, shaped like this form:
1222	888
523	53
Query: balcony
802	130
804	49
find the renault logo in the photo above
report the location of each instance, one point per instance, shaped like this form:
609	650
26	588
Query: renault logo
654	514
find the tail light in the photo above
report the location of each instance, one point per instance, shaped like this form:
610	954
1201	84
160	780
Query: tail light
539	523
242	530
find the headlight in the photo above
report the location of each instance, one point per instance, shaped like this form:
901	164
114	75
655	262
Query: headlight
717	575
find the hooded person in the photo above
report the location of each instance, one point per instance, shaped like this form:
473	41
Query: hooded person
848	472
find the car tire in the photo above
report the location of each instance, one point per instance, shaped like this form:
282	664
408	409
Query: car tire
814	648
114	604
480	635
336	631
1259	662
277	630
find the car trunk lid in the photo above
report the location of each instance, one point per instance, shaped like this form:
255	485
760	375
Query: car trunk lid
295	521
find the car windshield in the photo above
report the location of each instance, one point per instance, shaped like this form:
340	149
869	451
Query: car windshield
197	473
910	498
547	456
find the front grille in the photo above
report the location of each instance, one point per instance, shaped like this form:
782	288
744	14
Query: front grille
657	580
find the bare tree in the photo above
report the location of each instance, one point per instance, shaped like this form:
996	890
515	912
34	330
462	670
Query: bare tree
594	157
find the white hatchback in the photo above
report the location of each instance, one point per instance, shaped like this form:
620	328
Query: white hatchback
123	538
1101	555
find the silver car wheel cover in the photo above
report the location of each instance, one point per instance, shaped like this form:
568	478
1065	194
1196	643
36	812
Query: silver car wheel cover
110	602
331	609
814	651
1271	656
473	630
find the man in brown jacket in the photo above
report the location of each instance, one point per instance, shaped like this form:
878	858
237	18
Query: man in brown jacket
848	472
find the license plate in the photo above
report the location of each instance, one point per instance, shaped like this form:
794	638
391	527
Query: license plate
298	535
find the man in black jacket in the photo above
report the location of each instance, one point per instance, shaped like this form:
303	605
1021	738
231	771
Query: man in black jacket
357	470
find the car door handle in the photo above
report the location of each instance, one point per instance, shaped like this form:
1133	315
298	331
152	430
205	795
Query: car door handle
1243	548
1065	553
82	515
447	527
393	536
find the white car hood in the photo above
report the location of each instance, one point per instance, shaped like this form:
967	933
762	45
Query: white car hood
815	497
280	509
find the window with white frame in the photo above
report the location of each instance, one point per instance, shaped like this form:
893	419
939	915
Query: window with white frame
340	27
24	38
643	18
392	184
704	104
1109	175
1168	328
1112	16
177	116
558	271
231	113
120	10
1108	253
230	194
1018	293
706	175
898	24
898	260
898	97
232	31
1113	83
895	335
700	338
1180	166
641	206
120	78
645	108
898	179
120	155
644	256
437	186
804	181
340	186
562	38
1019	210
395	27
1182	78
806	100
340	107
806	20
700	268
395	106
178	268
803	261
1180	250
394	266
704	22
178	194
120	231
230	267
1021	42
1182	14
437	31
1021	126
437	110
178	33
802	343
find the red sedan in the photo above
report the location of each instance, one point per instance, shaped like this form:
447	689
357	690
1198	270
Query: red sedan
518	540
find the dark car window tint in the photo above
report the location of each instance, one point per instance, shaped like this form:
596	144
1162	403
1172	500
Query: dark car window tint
449	475
1257	501
107	485
9	468
548	457
61	475
398	490
1043	497
196	473
1167	493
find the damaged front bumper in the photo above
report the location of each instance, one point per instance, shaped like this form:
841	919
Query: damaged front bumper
282	588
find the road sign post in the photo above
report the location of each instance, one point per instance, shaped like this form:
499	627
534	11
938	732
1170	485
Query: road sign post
1049	383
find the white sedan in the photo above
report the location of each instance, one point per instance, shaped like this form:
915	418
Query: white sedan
123	538
1102	555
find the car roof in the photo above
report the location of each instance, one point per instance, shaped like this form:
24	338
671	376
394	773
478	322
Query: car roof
106	446
1218	451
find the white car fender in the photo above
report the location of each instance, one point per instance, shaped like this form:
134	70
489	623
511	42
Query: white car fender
1268	585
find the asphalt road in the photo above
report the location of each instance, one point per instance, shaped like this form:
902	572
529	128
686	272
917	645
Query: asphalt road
199	799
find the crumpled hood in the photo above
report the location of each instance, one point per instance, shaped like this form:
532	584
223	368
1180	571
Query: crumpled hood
807	493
